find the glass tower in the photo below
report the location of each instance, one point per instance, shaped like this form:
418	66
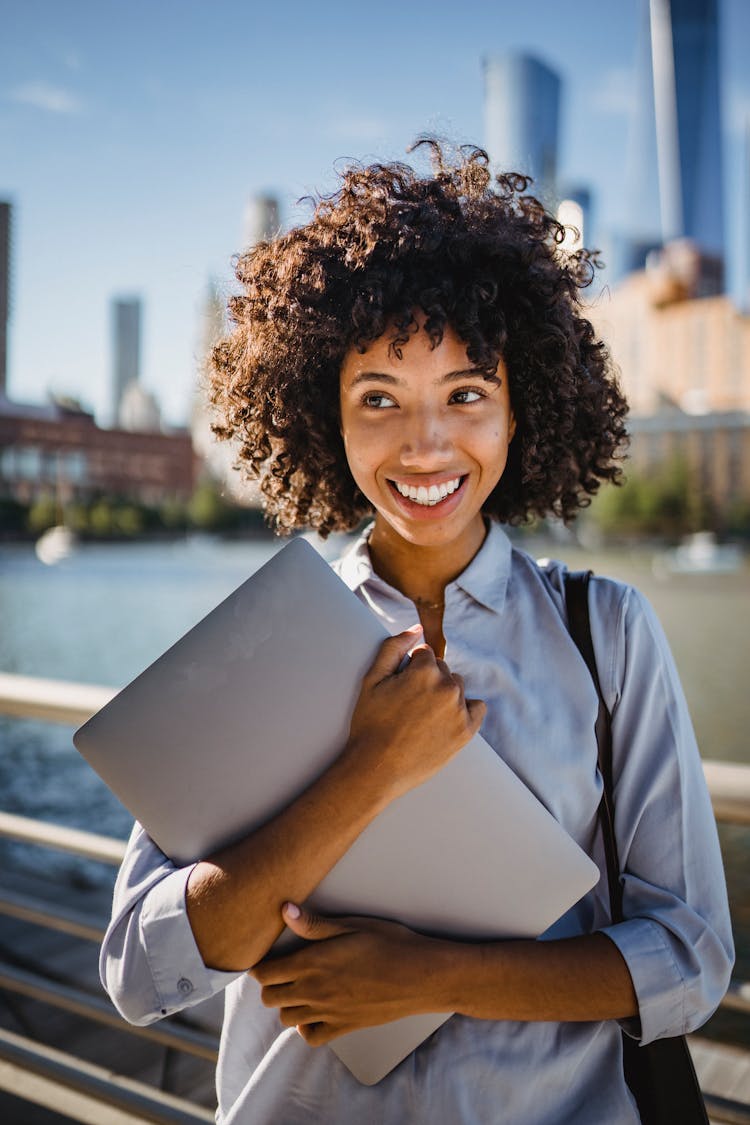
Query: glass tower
522	113
685	54
126	347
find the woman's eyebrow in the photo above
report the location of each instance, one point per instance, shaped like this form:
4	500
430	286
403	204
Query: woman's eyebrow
374	377
449	377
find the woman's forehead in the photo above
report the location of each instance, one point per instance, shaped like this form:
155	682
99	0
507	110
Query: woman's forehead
384	356
421	357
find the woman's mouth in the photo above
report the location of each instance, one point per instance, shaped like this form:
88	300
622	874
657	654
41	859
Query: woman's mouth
427	496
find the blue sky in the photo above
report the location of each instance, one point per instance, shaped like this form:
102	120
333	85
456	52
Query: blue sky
132	134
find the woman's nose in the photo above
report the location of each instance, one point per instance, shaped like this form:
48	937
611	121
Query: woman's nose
426	442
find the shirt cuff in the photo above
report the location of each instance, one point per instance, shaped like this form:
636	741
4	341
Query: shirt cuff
180	977
658	983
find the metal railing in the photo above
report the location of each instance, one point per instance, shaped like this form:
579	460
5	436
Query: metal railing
45	1075
52	1078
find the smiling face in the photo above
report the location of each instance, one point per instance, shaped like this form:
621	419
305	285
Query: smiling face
426	438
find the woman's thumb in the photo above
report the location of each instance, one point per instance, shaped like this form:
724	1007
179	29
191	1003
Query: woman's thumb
393	653
311	927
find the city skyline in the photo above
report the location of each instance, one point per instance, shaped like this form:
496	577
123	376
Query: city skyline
129	165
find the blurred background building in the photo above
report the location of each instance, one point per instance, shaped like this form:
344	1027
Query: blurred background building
685	54
260	221
522	118
5	215
126	347
57	450
681	343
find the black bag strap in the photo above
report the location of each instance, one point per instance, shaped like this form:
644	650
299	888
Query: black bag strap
579	627
661	1076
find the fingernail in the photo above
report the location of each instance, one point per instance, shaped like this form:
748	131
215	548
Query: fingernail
414	628
291	910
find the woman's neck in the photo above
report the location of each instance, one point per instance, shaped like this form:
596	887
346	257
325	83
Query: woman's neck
421	573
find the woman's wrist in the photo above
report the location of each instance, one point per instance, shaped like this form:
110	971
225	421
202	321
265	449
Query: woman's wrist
578	979
357	768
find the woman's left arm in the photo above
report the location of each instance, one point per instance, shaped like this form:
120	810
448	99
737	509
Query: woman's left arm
676	937
357	972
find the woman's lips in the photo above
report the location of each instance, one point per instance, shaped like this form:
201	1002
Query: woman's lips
430	509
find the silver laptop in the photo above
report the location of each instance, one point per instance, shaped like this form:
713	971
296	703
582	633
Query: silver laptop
249	707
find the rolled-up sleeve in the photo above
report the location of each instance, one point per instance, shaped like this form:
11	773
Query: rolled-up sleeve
149	962
676	937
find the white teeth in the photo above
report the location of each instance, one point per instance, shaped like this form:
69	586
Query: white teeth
428	497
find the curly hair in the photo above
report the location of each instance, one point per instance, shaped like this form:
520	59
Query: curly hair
480	256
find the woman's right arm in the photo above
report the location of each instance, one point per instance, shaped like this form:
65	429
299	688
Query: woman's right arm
406	725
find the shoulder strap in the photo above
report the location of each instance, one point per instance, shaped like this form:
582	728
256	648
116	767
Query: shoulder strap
660	1075
579	626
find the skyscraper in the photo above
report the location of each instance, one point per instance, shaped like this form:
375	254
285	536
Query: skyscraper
743	286
5	215
522	117
641	161
685	55
260	219
126	347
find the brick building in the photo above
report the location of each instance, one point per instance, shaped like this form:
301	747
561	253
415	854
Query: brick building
59	450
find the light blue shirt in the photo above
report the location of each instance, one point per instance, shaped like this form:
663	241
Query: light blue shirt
505	630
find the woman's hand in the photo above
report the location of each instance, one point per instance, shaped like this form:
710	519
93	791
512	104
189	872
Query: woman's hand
359	972
407	724
354	973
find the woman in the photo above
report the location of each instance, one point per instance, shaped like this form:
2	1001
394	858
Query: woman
417	352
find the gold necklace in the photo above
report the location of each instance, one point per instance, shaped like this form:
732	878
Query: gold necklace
428	605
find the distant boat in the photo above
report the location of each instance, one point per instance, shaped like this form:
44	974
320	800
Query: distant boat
700	554
55	544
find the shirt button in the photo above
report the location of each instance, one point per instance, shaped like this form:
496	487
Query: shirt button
184	986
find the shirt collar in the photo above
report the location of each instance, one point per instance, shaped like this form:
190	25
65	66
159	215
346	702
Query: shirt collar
485	578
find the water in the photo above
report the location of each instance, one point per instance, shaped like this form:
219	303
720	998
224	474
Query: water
101	617
105	613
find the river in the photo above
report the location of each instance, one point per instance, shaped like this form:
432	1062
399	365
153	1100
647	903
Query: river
105	613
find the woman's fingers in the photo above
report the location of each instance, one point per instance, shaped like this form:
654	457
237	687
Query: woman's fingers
477	709
296	1015
312	927
406	726
318	1034
392	653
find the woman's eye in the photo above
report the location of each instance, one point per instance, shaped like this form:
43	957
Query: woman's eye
377	400
466	396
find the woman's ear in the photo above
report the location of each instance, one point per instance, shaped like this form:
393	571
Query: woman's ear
511	426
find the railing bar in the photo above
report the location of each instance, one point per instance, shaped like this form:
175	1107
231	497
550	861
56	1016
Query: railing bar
52	918
36	1089
78	841
726	1112
73	1000
52	701
68	1073
737	998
